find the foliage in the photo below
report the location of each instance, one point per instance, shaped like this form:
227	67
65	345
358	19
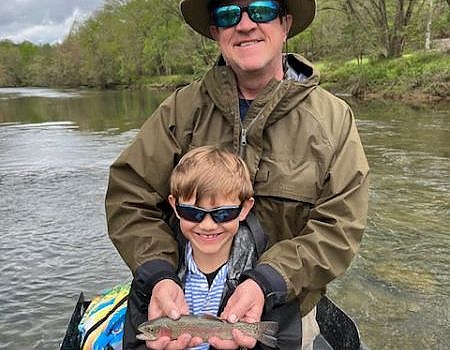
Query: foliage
421	72
130	42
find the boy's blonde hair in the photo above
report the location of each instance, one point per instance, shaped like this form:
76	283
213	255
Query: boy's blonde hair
208	172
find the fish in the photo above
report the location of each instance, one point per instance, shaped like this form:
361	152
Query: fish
205	326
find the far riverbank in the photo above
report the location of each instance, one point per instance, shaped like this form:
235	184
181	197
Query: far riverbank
421	77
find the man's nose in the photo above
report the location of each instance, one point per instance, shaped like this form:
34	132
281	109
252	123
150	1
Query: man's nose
245	23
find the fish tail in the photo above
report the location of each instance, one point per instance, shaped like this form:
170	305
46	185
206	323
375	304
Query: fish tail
267	333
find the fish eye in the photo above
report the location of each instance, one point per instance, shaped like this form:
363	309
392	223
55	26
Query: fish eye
147	329
151	329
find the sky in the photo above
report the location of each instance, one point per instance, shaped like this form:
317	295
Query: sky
42	21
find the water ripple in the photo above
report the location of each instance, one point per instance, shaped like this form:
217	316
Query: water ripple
54	244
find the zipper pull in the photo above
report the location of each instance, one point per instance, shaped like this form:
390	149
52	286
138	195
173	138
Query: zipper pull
243	142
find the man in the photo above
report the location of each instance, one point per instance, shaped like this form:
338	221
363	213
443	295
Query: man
301	146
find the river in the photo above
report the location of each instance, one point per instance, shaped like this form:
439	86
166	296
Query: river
55	150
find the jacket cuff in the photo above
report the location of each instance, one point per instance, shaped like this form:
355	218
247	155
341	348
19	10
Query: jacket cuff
150	273
271	283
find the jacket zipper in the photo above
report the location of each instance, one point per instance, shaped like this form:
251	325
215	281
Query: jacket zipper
243	141
243	137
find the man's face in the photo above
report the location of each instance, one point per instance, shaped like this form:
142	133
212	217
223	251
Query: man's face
250	47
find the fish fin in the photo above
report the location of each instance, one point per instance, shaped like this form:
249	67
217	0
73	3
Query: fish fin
268	340
213	317
267	333
269	327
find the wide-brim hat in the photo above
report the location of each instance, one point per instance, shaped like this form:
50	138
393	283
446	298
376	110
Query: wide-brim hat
196	14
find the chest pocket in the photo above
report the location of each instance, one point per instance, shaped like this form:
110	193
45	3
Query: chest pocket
287	178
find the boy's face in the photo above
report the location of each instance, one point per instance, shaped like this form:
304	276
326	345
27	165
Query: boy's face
208	238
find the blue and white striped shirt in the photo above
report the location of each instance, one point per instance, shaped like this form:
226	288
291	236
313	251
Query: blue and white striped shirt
200	298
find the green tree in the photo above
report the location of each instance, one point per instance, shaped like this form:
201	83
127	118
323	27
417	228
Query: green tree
39	71
11	65
129	41
385	20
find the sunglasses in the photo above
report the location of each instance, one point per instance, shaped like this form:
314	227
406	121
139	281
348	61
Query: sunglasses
226	16
219	215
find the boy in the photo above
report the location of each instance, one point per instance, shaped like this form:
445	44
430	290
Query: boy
211	193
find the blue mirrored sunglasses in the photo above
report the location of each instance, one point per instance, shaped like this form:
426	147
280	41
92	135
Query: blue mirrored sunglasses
219	215
225	16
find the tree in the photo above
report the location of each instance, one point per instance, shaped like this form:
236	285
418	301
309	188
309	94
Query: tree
386	20
428	31
11	71
128	41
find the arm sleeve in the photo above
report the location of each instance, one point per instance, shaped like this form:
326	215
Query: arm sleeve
136	208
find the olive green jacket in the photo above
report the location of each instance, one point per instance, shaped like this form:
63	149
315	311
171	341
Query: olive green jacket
306	161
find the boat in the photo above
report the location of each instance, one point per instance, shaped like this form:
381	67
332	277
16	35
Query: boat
337	330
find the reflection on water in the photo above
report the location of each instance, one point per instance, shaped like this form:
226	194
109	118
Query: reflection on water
91	110
11	93
54	158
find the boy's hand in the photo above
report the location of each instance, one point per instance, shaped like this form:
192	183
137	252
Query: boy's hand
168	300
246	304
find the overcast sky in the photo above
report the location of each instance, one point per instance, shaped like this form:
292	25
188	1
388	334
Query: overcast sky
42	21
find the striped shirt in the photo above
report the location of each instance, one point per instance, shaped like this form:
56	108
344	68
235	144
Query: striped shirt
200	298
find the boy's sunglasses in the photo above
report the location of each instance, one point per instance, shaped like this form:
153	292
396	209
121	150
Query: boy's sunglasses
219	215
225	16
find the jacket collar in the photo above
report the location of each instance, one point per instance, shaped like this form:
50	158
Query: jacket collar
278	96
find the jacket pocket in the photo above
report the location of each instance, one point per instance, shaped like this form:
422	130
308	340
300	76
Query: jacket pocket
287	178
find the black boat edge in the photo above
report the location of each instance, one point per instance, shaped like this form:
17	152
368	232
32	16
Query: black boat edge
337	330
72	339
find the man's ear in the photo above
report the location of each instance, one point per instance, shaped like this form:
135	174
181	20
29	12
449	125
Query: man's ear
246	206
287	21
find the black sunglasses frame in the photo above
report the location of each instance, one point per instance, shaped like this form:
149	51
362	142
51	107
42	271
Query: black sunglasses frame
232	210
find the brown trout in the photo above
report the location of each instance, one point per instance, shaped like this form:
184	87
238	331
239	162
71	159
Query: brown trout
207	326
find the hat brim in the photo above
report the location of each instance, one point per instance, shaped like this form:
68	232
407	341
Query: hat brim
196	14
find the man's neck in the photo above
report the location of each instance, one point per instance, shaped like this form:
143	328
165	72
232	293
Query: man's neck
250	84
249	89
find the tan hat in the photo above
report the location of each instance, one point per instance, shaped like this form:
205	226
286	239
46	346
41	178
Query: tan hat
196	14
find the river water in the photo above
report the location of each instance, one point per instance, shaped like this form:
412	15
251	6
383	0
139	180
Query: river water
55	150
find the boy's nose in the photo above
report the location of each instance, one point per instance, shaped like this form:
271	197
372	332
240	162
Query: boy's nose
208	222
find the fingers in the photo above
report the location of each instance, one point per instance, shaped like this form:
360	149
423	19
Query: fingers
243	340
160	343
218	343
167	300
239	340
165	343
195	341
184	341
163	305
246	303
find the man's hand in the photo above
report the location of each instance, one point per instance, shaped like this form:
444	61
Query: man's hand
168	300
246	304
